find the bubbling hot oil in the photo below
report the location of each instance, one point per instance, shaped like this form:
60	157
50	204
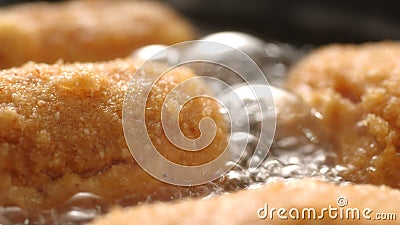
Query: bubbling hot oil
290	157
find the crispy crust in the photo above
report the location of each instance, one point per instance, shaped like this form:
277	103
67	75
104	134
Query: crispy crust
356	89
242	207
85	30
61	131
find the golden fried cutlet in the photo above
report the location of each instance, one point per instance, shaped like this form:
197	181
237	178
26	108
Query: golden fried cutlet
85	30
243	207
61	131
356	88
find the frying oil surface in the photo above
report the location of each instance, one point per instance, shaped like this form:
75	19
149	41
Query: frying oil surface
291	157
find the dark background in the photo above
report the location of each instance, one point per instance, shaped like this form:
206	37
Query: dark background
296	22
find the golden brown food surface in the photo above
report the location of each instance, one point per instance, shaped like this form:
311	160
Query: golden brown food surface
61	131
242	207
85	30
356	88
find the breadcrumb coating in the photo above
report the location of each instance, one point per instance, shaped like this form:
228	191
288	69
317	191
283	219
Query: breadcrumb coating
85	30
356	89
61	131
